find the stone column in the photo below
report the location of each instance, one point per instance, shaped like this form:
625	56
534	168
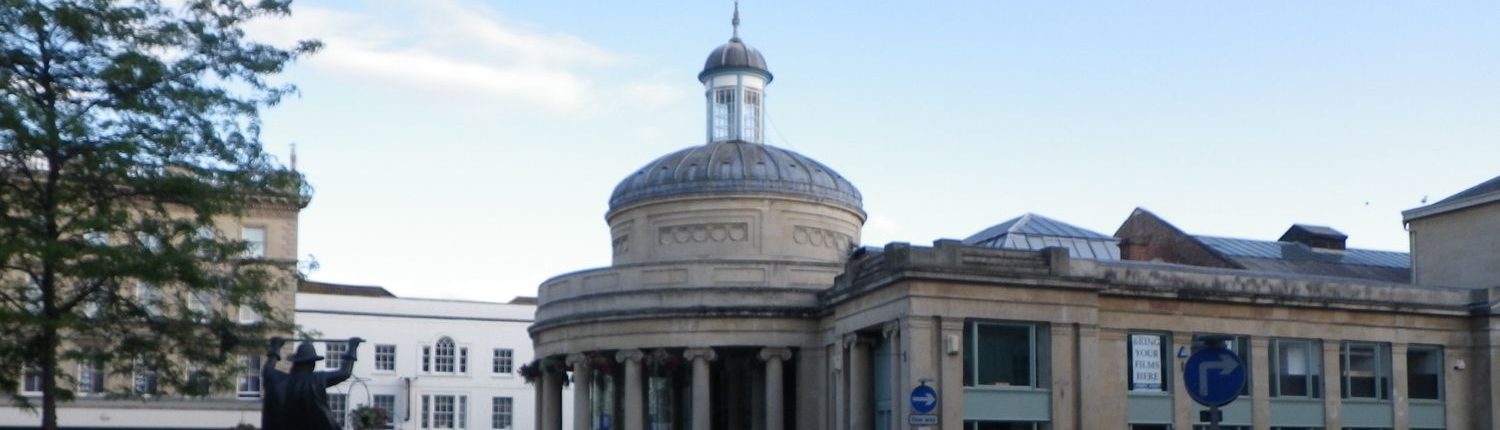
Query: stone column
861	407
1400	418
892	333
1185	412
552	398
1260	382
583	405
775	401
1333	381
840	388
702	391
1090	399
536	404
635	406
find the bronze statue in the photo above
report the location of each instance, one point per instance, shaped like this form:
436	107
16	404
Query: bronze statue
299	400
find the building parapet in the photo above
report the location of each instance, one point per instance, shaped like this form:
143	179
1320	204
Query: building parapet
948	260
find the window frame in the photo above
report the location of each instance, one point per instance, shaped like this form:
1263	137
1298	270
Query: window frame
460	410
1314	379
508	360
390	412
31	380
332	359
144	379
1441	371
90	373
249	376
254	249
389	356
502	419
338	403
1382	370
971	360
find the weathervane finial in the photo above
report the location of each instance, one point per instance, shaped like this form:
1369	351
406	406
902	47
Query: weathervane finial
736	20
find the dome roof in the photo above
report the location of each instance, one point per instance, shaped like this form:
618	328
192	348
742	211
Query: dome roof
735	55
734	168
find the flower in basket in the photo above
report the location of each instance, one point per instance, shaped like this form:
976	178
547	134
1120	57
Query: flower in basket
531	371
367	418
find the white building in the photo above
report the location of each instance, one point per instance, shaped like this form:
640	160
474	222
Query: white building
433	363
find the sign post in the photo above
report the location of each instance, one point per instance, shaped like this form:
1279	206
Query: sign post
1214	377
924	400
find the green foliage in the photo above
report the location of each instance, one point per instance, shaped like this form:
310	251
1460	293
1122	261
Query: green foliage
367	418
126	128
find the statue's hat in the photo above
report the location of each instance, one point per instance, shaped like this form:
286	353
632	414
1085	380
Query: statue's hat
305	352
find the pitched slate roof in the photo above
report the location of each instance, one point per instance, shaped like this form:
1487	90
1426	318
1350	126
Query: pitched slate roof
1485	192
1034	232
1292	257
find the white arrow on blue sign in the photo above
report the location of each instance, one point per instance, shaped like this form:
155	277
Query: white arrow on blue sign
1214	376
924	399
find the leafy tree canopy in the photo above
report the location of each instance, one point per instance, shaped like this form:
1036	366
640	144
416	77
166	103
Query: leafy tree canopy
127	127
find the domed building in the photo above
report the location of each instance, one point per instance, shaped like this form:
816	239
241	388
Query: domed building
739	298
709	313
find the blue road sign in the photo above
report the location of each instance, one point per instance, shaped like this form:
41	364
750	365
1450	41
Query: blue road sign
924	399
1214	376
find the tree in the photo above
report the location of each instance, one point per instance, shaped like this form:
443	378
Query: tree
127	129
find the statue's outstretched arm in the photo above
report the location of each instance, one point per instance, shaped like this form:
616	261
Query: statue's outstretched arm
346	368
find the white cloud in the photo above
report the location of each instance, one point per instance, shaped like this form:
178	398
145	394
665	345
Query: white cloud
447	46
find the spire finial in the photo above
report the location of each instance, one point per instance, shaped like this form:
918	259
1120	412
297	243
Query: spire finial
736	20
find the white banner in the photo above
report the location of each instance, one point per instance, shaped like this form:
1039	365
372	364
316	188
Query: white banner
1145	362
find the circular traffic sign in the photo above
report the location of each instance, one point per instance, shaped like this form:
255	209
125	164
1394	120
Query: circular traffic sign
1214	376
924	399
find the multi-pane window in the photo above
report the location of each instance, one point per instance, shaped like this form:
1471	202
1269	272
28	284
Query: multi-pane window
335	355
445	411
426	358
339	405
255	241
1295	368
750	123
501	418
1239	345
501	362
1004	354
248	383
387	403
31	377
723	110
1003	425
201	304
149	298
385	357
90	378
1365	367
1147	366
1424	372
443	361
248	315
144	378
463	360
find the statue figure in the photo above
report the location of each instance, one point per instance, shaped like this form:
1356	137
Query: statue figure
299	400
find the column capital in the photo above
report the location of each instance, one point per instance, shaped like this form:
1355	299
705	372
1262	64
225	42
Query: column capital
629	355
854	339
778	353
577	359
707	354
891	329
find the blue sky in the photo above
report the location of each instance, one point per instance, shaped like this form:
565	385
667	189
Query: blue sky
467	149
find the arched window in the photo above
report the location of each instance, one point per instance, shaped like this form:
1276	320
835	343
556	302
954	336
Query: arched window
443	362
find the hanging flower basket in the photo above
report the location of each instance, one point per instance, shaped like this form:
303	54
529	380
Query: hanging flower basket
530	371
367	418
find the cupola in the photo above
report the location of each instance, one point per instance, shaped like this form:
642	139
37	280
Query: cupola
734	79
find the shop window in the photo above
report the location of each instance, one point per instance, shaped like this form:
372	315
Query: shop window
1004	354
1295	368
1424	372
1146	363
1365	368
